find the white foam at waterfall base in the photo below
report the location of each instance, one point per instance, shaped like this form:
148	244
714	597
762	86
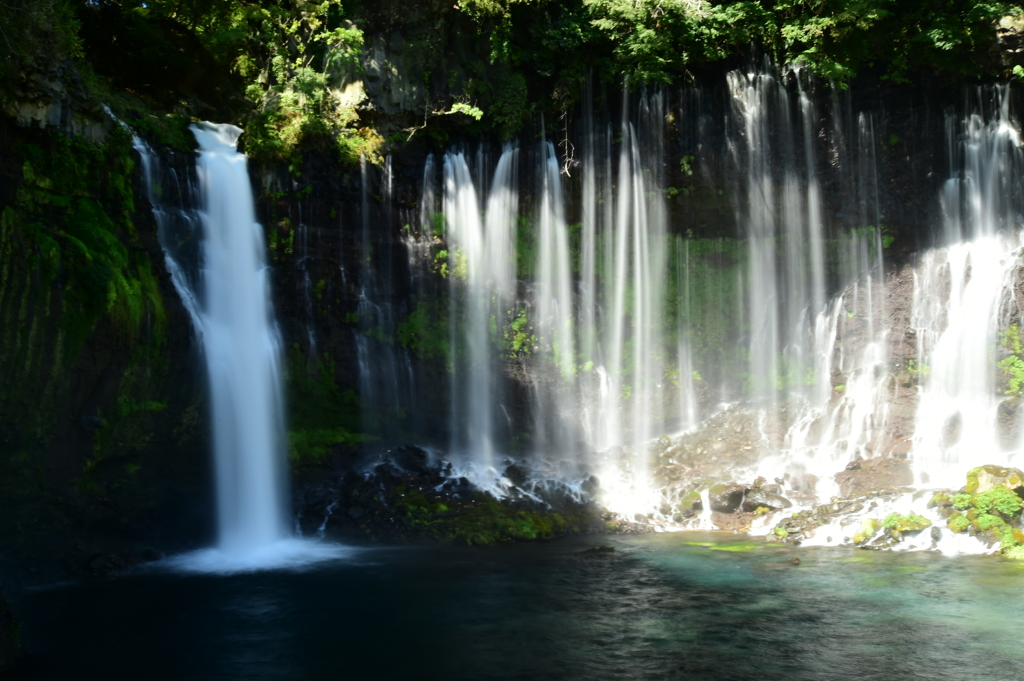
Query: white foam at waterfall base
285	554
840	531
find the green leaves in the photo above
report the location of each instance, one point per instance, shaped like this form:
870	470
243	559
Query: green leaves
657	40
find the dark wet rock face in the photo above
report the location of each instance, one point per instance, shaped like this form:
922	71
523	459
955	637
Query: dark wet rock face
728	498
759	497
406	495
873	475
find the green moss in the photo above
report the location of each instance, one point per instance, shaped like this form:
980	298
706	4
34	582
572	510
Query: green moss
321	415
73	266
1012	365
426	331
482	521
986	521
911	522
962	502
516	340
1000	499
1015	552
972	480
743	547
315	445
958	522
868	528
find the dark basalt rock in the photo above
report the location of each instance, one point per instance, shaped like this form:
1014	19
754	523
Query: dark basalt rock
599	550
727	499
401	495
762	497
410	459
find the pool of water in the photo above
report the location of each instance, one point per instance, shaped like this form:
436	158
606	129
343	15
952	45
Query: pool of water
671	606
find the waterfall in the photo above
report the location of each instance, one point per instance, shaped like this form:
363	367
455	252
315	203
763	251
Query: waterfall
481	267
966	312
217	261
782	200
242	350
630	328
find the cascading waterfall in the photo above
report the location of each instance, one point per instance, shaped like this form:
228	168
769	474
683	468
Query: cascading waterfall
632	356
481	260
793	316
242	350
965	298
554	306
217	262
782	213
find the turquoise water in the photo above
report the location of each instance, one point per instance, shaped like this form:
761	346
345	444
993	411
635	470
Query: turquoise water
673	606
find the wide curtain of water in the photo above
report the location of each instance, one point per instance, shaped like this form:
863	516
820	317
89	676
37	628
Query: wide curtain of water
630	328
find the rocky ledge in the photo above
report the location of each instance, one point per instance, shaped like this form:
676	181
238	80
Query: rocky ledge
988	507
406	494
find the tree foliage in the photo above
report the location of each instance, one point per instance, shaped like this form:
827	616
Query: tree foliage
289	69
657	40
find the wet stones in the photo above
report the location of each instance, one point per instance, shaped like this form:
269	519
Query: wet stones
727	498
756	498
872	475
405	495
764	497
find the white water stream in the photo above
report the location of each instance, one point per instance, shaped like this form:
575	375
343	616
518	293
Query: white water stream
228	298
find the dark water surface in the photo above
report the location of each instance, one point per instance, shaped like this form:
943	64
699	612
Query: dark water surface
660	607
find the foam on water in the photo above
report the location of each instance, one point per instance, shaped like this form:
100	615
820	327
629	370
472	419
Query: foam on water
286	554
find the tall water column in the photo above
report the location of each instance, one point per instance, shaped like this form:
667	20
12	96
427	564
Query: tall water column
242	349
481	266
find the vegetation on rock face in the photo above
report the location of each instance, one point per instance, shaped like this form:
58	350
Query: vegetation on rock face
991	508
74	274
323	418
1013	364
482	520
896	522
291	71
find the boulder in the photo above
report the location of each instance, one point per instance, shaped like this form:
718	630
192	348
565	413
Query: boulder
874	474
985	478
727	498
762	497
898	524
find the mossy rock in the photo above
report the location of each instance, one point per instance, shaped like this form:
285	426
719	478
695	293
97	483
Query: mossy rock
984	478
998	499
1014	553
689	504
958	522
868	529
899	524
